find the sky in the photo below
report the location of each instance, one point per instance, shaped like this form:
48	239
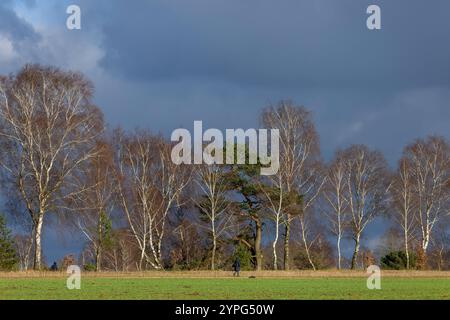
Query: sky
162	64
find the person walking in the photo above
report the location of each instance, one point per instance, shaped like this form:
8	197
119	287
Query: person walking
54	267
236	267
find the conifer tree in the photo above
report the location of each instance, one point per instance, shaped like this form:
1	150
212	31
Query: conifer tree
8	258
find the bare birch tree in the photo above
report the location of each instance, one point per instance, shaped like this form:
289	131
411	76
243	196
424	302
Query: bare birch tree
213	204
336	199
404	209
440	252
96	202
310	185
367	184
120	256
299	154
24	247
275	202
430	161
150	186
49	124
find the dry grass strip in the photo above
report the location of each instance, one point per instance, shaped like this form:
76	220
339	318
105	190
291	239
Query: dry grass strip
227	274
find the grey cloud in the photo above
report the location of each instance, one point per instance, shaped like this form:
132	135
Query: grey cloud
13	26
164	63
320	43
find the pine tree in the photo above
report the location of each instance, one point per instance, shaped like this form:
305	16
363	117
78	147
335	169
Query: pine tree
8	257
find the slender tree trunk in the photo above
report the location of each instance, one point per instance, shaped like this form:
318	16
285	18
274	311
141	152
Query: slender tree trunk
286	242
406	249
214	236
339	251
141	259
305	243
98	258
339	236
274	244
83	260
426	234
213	255
159	262
29	251
123	256
425	242
37	242
98	249
355	252
441	259
258	251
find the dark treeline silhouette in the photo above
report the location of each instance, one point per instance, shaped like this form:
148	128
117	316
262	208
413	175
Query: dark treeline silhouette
138	210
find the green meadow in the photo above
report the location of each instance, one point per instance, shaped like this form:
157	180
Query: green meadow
223	288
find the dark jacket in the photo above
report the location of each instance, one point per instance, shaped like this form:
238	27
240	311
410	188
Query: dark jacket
237	265
54	267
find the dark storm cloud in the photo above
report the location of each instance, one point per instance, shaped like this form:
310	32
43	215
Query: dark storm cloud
221	61
317	43
164	63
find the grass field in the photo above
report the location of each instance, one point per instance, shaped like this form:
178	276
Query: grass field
219	285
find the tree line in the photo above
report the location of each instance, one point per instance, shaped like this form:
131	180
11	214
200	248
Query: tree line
137	210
